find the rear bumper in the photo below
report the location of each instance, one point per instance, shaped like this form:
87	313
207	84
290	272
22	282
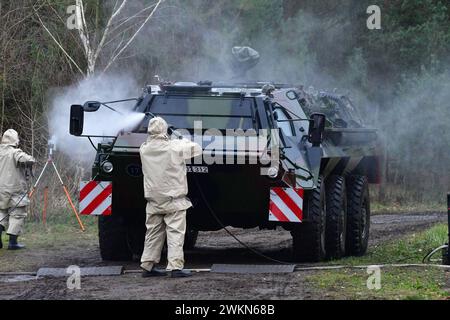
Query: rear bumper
238	194
275	205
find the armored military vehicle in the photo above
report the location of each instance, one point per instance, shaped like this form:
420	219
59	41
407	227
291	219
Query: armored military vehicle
274	156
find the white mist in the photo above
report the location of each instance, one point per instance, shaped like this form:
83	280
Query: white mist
103	122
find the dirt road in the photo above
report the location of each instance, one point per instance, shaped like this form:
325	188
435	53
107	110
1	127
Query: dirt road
213	247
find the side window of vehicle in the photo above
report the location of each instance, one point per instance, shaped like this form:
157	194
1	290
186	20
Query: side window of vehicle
283	124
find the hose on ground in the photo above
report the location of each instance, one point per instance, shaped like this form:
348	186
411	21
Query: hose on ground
427	258
221	224
262	255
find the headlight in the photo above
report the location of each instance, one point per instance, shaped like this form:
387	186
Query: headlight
272	172
107	167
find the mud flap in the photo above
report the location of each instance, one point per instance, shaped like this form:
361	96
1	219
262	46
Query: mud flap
314	156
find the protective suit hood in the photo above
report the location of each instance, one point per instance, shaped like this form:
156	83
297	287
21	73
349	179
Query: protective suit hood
11	138
157	128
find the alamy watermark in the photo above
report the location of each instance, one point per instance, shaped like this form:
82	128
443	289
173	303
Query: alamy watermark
236	146
374	20
374	279
74	20
74	279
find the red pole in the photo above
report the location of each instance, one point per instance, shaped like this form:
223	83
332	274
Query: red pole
73	208
44	211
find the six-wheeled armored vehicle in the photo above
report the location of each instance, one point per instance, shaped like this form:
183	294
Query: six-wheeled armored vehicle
273	156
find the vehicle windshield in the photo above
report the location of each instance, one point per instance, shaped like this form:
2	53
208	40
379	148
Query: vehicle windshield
214	112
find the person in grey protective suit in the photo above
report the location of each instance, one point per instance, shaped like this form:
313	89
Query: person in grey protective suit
13	188
165	187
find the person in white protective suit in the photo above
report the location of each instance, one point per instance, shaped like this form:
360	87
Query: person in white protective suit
13	188
165	186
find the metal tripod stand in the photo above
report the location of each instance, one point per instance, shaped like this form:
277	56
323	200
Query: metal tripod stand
51	147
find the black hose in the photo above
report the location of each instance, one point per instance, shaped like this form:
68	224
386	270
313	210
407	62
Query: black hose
254	251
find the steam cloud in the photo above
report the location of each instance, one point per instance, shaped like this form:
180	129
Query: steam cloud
103	122
204	54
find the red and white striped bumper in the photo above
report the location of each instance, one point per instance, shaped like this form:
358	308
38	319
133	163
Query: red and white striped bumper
95	198
286	205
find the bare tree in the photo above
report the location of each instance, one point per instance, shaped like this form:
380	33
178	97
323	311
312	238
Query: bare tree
115	38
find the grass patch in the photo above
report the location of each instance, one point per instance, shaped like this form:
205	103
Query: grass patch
57	239
410	249
398	199
59	229
396	283
393	207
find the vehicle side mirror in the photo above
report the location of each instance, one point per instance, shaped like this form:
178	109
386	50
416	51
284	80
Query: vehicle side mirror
91	106
76	120
316	129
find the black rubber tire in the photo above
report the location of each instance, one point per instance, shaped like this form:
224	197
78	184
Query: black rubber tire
136	238
358	215
112	234
309	236
336	217
190	239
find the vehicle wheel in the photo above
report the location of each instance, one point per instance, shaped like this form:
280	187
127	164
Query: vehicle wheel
309	237
336	217
358	215
190	239
136	238
112	234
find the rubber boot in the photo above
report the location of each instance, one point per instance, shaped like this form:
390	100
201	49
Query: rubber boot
154	273
180	274
13	245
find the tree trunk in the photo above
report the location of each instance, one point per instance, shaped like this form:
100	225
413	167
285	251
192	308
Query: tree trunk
2	116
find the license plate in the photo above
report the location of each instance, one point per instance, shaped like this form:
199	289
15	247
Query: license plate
197	169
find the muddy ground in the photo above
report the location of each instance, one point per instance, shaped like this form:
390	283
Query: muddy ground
212	247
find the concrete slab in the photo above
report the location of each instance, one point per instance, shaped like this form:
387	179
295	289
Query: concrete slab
250	268
84	272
